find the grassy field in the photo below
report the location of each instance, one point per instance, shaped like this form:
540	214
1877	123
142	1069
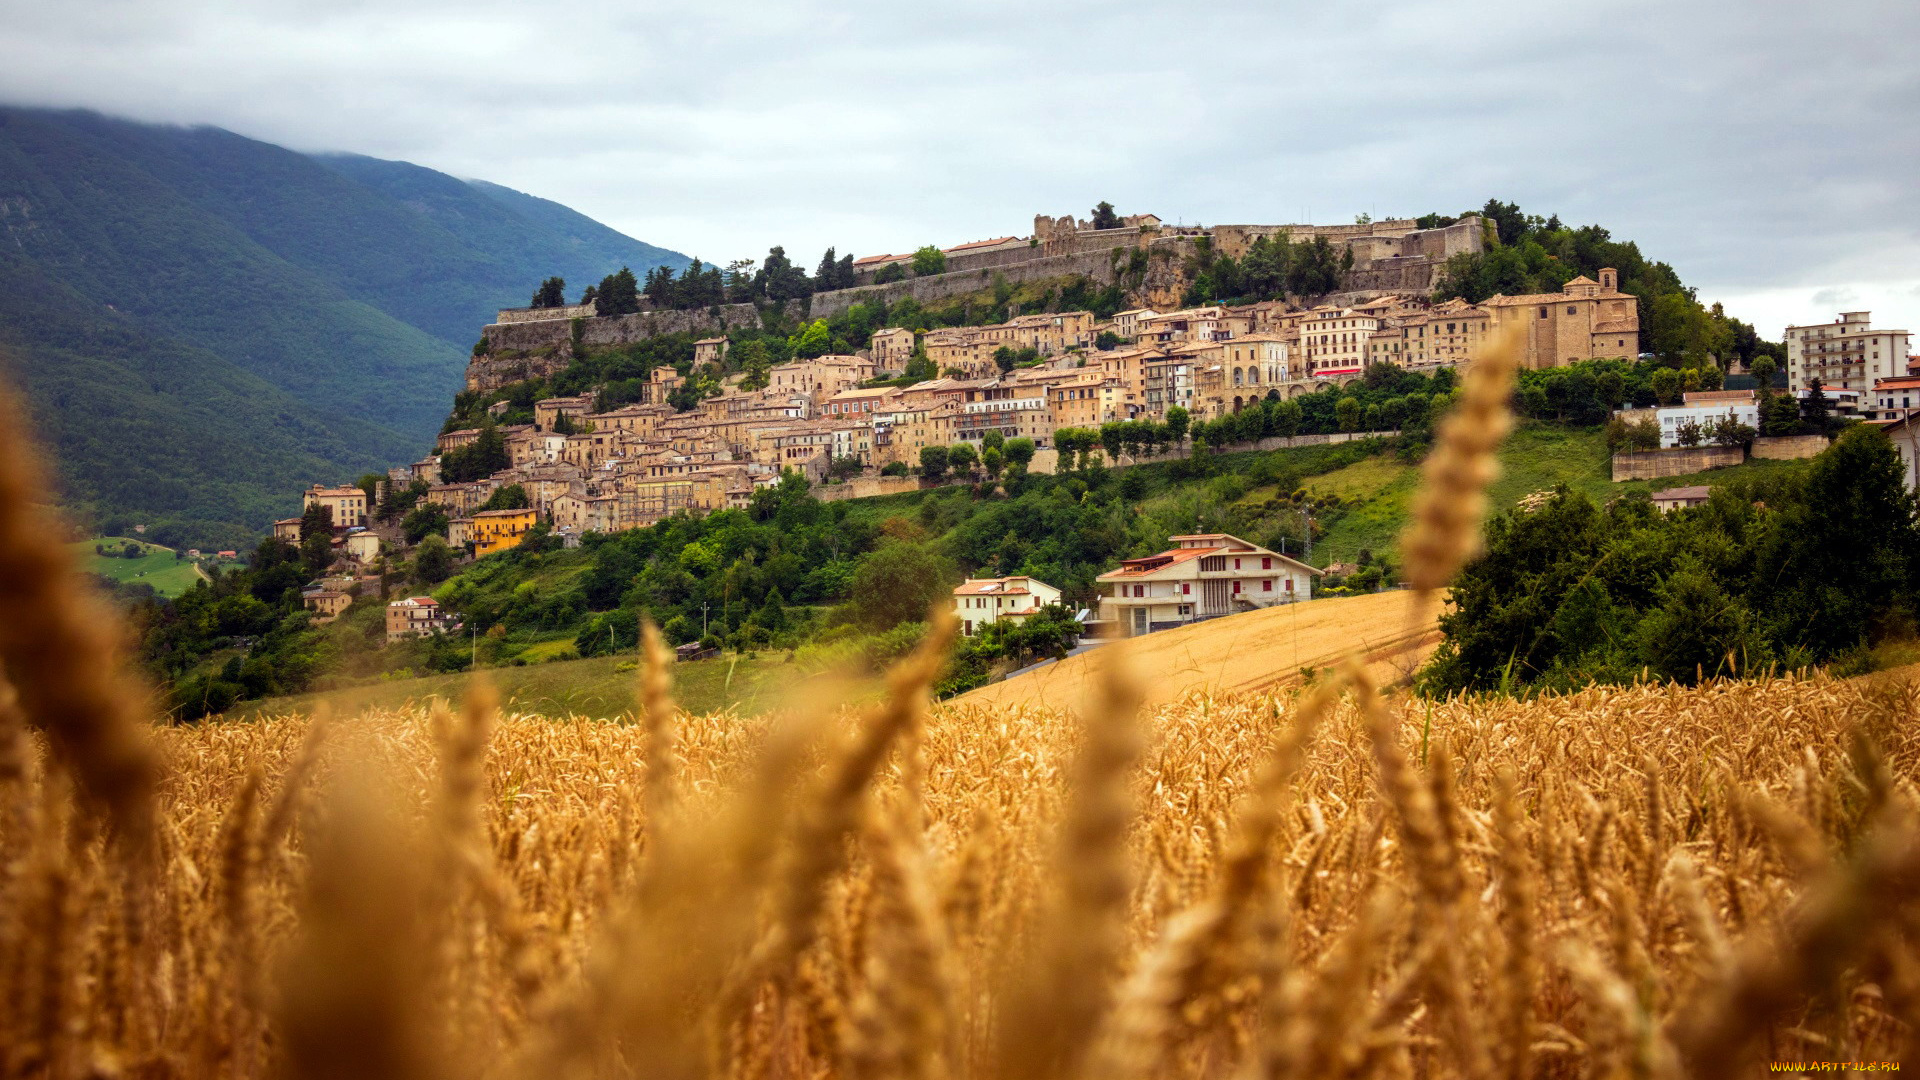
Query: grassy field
157	567
1535	458
599	688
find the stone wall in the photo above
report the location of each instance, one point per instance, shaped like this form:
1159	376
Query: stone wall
1789	447
549	342
1680	461
863	487
1096	265
527	315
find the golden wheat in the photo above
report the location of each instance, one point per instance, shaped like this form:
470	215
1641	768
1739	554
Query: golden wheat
1200	892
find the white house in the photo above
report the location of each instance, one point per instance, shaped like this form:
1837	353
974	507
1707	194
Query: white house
1200	577
1706	408
981	602
1905	433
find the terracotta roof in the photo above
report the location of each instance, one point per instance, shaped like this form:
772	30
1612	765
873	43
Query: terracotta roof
1153	564
970	245
1694	491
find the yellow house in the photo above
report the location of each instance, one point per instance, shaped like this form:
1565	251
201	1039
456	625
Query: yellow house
498	530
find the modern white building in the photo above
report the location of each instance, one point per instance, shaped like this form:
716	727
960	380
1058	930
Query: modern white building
1200	577
1846	354
981	602
1705	408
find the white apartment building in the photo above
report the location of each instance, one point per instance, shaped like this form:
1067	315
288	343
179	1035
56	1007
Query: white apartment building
1200	577
1706	408
980	602
1846	354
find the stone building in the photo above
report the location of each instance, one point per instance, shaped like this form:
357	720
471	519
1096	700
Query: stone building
348	505
1585	320
711	350
890	349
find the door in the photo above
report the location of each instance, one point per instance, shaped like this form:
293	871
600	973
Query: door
1139	621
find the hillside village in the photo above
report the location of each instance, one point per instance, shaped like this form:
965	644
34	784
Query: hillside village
911	407
1053	456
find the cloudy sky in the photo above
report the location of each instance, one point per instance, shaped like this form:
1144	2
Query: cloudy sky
1769	150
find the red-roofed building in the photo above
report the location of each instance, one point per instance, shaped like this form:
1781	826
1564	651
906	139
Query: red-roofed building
981	602
1200	577
416	616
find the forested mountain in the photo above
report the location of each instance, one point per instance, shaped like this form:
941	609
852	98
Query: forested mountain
226	319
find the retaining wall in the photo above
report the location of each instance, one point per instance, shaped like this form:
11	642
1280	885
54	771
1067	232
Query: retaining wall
1650	464
1789	447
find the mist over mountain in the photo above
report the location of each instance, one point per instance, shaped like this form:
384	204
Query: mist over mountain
204	322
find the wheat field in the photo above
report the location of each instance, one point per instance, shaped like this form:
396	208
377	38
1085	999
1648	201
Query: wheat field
1251	651
1653	882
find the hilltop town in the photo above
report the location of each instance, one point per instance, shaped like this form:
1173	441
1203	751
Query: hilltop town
864	417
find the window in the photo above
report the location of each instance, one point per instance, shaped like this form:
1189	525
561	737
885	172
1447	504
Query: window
1571	310
1267	585
1266	564
1289	584
1543	312
1186	588
1236	564
1236	588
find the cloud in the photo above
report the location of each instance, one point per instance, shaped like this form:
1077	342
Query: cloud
1757	147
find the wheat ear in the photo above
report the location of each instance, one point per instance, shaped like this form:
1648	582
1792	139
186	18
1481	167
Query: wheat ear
60	647
1453	496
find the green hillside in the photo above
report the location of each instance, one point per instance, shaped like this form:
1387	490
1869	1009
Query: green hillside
1536	457
157	566
250	319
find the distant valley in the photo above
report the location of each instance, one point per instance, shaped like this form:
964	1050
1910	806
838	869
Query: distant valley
202	323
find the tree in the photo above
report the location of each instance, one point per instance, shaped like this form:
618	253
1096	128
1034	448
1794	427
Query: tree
811	340
890	273
1729	431
1689	433
1018	453
510	497
1104	217
991	459
933	462
1666	384
1814	408
619	293
928	261
317	552
1003	358
841	468
1347	411
961	458
1107	340
894	468
317	518
1179	421
552	293
1763	371
433	560
899	582
424	520
1644	434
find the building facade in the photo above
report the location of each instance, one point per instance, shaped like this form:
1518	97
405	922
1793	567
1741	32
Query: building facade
1846	354
1201	576
980	602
